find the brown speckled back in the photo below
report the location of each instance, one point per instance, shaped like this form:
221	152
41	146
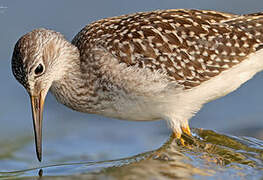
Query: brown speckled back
190	46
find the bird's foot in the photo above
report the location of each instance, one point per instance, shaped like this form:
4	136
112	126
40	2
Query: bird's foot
187	130
178	135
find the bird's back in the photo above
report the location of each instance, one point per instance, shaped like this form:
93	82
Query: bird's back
190	46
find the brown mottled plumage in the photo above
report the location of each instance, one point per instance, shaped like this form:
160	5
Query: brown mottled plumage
191	46
153	65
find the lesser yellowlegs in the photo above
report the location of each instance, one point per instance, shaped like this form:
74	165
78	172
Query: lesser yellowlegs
153	65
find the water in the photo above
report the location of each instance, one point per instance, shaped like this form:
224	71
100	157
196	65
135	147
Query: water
89	146
206	155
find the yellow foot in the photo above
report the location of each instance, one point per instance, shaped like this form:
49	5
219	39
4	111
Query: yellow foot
187	130
178	135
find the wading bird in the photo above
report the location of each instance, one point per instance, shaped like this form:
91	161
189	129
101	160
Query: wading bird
162	64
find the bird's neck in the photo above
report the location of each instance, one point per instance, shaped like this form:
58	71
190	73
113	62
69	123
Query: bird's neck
74	89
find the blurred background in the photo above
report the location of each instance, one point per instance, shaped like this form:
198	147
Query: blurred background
73	136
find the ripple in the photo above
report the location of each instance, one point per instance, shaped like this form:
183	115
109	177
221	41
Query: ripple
206	155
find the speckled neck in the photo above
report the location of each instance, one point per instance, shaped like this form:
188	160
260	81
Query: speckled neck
72	89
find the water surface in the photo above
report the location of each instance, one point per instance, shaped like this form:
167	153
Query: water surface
206	155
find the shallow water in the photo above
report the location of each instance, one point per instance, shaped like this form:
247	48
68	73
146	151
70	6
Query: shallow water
206	155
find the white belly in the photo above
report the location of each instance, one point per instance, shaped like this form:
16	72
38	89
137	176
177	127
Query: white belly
179	105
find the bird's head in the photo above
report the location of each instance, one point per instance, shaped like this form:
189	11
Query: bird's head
39	59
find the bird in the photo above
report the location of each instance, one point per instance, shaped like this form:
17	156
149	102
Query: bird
161	64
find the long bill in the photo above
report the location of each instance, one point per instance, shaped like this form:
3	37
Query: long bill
37	103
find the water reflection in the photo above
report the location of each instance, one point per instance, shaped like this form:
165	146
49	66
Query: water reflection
40	172
206	155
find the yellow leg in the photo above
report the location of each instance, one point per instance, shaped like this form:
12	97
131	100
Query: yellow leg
178	135
187	130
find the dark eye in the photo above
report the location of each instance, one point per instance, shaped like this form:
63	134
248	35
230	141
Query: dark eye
39	69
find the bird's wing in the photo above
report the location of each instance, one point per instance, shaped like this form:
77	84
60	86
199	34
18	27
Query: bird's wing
190	46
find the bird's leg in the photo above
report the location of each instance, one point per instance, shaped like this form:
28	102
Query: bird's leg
186	130
178	134
179	128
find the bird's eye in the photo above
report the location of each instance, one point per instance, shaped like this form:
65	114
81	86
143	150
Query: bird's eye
39	69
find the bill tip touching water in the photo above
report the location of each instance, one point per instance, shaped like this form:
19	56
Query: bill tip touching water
161	64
